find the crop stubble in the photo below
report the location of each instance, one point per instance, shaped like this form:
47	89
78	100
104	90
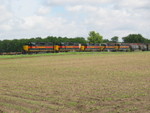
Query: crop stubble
106	83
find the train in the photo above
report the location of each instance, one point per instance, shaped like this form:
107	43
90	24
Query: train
37	47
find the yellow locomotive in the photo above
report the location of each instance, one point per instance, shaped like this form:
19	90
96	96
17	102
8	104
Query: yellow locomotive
37	47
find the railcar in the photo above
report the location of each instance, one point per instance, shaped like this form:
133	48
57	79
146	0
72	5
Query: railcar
37	47
143	47
138	46
91	47
148	47
134	47
68	46
108	47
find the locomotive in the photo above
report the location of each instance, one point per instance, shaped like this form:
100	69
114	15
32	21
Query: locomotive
36	47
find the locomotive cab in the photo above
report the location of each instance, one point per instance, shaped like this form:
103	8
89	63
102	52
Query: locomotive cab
26	47
37	47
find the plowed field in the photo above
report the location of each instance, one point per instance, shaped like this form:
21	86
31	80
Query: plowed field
81	83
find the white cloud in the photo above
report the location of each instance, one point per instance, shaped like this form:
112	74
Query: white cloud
4	13
134	3
48	25
5	27
76	8
77	2
73	18
5	17
83	8
32	22
124	17
43	10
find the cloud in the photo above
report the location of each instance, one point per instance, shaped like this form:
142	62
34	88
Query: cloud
134	3
71	18
4	14
77	2
5	17
43	10
120	17
56	25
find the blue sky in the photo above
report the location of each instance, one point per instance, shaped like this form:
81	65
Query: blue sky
73	18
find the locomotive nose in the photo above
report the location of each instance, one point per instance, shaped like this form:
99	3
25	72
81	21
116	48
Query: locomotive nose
25	47
56	47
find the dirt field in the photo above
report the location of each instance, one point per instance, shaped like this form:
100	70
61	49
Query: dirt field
97	83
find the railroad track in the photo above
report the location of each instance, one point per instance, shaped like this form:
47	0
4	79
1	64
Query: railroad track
10	53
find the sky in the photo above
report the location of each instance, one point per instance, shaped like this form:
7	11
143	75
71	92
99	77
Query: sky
73	18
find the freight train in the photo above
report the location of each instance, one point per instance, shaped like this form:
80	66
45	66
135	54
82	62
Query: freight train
36	47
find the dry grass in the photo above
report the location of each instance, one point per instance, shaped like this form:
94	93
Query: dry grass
97	83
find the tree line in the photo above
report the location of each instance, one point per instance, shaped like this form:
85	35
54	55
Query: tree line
131	38
17	44
94	37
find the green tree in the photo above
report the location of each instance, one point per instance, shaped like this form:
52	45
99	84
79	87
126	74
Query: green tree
95	37
106	41
77	40
147	41
52	39
134	38
114	39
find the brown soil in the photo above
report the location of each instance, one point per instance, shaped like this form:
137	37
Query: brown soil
97	83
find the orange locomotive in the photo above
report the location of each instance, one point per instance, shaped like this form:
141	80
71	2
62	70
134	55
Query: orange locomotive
76	47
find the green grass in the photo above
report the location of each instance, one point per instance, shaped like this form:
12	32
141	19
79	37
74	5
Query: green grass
61	53
47	54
